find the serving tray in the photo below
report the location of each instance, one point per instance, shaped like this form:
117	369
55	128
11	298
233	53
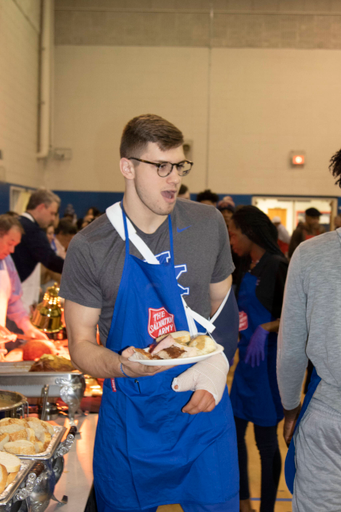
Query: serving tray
15	376
11	489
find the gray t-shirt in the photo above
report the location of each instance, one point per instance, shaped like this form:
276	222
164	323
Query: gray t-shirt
311	321
95	258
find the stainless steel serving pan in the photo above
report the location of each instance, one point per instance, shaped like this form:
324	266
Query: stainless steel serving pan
17	377
9	492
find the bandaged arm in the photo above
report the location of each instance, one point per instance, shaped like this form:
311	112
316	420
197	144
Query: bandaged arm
209	374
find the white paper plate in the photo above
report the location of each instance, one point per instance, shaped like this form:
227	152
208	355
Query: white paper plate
176	362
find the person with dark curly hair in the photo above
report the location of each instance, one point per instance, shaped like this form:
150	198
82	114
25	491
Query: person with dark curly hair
311	329
208	197
254	395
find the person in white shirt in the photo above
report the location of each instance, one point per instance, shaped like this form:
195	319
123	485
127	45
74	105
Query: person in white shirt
283	236
11	305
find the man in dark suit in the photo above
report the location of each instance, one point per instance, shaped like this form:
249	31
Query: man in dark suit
34	247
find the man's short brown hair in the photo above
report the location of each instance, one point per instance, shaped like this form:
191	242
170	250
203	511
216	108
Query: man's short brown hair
8	222
149	128
42	196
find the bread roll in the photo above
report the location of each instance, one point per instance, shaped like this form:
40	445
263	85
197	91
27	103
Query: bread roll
3	477
11	477
38	446
204	344
20	434
21	447
4	438
11	462
30	435
12	421
45	438
182	337
9	429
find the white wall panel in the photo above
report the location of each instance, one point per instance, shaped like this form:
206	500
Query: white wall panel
265	103
99	89
19	40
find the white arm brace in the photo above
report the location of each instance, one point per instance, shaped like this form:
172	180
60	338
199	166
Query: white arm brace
209	374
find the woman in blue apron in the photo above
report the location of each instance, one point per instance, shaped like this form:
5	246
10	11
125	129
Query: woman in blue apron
254	395
147	451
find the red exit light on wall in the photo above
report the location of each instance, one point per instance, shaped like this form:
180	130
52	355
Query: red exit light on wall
297	158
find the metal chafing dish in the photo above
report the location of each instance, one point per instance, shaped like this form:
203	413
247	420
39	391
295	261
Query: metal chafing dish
69	386
38	488
12	497
33	494
53	464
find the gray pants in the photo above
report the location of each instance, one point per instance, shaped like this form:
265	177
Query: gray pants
317	486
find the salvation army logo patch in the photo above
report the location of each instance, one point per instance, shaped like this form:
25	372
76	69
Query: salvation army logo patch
243	321
160	322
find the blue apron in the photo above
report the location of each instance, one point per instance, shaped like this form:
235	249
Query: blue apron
254	394
290	467
147	452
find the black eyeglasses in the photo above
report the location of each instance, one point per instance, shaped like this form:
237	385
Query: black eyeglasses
165	168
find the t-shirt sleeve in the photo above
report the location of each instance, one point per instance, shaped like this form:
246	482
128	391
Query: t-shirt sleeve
270	289
292	338
224	265
79	278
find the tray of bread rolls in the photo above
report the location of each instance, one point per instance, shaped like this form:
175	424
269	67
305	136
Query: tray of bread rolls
13	472
29	438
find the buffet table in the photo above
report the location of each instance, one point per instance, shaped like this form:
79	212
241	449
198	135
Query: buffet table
76	478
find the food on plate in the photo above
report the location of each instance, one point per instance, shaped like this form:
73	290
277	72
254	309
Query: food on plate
24	436
52	363
203	343
34	349
176	345
182	337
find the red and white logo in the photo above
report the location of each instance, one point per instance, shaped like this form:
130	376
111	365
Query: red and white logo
243	321
160	322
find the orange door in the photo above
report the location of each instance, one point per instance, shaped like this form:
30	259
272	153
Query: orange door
278	212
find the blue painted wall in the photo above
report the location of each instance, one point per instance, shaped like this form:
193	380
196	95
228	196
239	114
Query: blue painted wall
81	201
4	197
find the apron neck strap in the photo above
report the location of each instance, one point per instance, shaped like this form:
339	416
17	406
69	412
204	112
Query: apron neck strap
126	230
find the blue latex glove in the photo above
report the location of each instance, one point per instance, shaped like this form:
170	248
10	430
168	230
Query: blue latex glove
255	352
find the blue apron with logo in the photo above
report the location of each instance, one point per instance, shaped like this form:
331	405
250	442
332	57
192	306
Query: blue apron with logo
148	452
254	394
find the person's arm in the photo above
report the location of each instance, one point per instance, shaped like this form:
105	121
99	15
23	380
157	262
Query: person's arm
94	359
16	310
296	239
271	326
291	355
218	292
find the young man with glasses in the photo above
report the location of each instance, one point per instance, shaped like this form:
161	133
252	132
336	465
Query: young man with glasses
165	434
